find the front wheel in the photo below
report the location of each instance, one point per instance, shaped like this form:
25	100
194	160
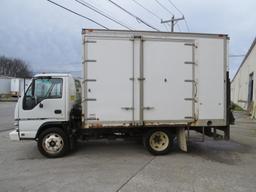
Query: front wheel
53	142
158	141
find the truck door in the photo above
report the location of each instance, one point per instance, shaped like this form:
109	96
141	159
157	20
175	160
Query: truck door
108	85
168	85
43	101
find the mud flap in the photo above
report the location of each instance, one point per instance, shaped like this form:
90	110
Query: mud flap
182	141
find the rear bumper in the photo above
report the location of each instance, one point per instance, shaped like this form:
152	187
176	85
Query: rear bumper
14	135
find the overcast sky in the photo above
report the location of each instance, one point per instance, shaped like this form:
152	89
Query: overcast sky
49	38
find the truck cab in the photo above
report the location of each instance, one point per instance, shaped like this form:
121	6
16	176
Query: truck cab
47	104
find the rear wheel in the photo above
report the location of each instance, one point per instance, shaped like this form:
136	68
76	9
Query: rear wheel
53	142
158	141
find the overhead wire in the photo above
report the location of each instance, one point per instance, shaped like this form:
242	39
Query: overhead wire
151	12
175	7
185	20
166	27
90	6
161	5
78	14
186	23
131	14
175	24
148	10
166	9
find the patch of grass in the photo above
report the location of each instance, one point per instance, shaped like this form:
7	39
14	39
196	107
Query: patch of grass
235	107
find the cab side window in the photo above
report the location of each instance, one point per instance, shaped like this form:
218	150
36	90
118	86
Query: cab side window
56	91
41	89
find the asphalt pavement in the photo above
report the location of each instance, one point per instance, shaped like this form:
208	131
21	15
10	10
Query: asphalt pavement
6	115
111	166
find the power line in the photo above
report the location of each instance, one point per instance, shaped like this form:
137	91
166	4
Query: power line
173	17
90	6
166	27
186	23
136	17
151	12
178	27
175	7
173	22
164	7
78	14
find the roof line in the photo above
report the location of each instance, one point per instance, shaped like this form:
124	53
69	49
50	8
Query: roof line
164	32
245	58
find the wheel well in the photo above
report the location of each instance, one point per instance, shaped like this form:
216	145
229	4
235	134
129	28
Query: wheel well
172	130
48	125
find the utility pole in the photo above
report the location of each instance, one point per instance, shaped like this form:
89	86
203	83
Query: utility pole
173	20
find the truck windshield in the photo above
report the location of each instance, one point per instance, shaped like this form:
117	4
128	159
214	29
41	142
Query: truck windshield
41	89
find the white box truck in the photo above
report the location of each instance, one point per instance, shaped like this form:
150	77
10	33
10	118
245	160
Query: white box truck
149	85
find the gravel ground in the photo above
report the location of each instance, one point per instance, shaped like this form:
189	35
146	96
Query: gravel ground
110	166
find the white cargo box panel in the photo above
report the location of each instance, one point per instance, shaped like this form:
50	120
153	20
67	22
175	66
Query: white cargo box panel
109	89
167	86
154	78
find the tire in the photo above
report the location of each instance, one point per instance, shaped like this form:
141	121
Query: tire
158	141
53	143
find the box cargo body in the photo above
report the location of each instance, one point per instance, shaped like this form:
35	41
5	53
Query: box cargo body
135	78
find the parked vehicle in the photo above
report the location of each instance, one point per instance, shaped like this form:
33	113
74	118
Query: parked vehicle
149	85
18	85
5	85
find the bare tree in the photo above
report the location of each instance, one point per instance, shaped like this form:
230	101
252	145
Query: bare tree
14	67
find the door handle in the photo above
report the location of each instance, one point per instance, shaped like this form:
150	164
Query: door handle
127	108
41	105
57	111
148	108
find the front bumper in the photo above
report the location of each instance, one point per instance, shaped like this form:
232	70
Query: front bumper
14	135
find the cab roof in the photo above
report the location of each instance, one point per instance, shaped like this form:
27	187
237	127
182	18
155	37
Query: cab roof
53	75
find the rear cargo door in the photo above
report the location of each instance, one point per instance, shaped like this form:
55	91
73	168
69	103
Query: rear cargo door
108	87
168	80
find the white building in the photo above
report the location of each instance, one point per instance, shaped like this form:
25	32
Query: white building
13	86
243	85
5	85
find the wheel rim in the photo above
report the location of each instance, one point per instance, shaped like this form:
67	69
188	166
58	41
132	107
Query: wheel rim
159	141
53	143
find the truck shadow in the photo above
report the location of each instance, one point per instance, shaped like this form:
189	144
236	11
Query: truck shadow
109	147
226	152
